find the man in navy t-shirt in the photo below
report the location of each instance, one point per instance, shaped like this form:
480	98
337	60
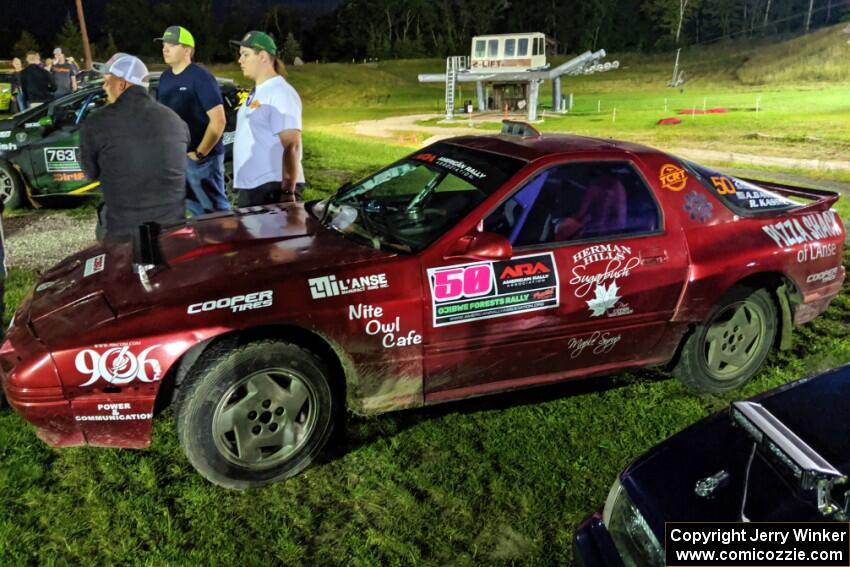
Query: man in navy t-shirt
193	93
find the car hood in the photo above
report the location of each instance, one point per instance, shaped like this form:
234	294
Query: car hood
202	258
662	483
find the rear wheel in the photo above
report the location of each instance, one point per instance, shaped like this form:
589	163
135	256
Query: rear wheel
731	346
12	190
255	415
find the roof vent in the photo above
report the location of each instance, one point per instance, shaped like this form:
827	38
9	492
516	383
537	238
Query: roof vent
517	128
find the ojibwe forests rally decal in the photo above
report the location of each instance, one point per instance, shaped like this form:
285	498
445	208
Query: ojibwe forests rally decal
484	290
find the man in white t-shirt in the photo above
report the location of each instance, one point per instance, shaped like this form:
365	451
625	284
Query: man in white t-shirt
267	147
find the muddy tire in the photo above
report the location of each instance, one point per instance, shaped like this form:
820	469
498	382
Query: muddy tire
731	346
256	414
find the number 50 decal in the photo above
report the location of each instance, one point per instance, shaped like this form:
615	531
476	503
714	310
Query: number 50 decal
467	281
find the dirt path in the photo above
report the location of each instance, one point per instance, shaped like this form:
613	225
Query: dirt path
390	127
36	241
736	157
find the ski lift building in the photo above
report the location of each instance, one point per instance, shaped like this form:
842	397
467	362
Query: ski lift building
508	52
508	69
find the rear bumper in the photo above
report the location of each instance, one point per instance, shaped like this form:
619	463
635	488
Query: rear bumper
817	301
593	546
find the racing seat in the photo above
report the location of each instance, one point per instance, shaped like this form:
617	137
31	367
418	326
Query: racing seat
603	211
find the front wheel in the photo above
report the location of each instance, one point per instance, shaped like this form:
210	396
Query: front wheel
255	415
12	190
731	346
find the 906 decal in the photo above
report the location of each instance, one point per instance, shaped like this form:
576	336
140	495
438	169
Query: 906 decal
59	160
118	365
484	290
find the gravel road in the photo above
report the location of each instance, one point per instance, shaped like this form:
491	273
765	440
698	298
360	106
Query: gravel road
36	240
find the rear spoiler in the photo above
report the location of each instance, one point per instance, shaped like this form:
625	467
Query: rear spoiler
823	200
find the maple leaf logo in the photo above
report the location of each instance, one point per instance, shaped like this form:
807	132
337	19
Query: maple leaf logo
605	299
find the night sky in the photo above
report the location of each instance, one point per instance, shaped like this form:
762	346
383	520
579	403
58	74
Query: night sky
44	18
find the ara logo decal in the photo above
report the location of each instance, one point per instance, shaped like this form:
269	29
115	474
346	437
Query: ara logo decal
118	365
527	269
430	158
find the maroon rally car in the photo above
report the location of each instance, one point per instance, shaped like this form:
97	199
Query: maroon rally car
475	265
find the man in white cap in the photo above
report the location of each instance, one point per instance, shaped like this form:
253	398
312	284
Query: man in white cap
64	73
136	148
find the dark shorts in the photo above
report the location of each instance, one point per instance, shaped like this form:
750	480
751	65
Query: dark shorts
265	194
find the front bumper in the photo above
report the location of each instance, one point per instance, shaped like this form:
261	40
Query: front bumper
34	391
593	546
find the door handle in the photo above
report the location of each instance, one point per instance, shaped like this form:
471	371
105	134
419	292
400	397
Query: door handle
654	256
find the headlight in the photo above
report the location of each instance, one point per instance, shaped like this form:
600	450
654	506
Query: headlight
633	538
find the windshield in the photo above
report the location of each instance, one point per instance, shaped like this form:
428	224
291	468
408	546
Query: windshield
411	203
743	197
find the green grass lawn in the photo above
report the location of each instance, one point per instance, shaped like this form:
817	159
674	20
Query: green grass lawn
500	480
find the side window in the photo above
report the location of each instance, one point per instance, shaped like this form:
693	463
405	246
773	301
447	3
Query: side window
480	46
522	48
577	201
510	44
493	48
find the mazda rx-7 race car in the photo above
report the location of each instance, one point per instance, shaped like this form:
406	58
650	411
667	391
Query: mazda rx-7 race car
39	148
475	265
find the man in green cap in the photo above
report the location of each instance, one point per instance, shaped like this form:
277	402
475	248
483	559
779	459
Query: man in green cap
193	93
267	146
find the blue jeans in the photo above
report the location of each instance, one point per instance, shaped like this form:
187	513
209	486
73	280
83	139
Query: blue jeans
205	184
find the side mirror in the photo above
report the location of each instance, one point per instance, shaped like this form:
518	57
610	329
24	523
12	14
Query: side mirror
482	246
45	121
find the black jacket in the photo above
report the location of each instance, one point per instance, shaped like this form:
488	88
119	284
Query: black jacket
136	148
37	84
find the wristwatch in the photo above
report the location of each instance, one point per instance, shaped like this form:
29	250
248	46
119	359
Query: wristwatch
199	154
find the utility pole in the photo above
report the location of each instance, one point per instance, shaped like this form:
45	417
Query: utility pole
86	47
809	17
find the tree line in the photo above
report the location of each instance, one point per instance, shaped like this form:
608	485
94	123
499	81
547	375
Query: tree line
386	29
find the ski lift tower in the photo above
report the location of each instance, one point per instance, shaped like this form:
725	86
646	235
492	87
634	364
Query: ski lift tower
508	70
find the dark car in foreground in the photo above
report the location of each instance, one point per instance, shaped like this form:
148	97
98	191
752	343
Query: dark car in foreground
475	265
40	147
783	456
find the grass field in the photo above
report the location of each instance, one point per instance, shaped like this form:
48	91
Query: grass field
500	480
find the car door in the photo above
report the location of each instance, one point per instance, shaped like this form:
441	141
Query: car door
56	160
594	277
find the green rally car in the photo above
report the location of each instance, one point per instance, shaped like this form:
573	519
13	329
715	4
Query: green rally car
40	147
